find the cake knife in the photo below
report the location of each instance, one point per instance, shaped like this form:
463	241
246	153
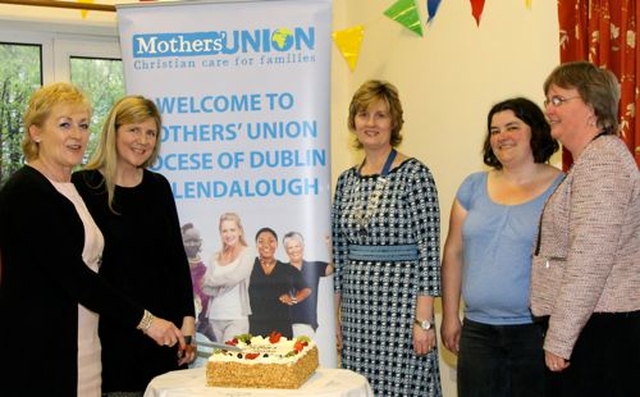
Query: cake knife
222	346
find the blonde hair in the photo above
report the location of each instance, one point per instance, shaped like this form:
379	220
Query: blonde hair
40	106
233	217
128	110
371	92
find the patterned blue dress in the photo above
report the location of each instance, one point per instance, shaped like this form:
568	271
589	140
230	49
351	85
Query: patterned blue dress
379	296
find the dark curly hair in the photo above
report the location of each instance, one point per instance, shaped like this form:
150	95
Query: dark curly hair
543	145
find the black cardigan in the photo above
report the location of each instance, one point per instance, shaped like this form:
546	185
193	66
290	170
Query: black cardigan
43	280
144	257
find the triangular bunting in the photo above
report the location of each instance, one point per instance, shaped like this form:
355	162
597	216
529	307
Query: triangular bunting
476	9
349	42
405	12
527	3
432	9
85	12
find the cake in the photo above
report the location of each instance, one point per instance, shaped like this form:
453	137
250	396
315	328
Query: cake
273	362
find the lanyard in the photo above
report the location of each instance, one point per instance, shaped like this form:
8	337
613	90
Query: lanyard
387	164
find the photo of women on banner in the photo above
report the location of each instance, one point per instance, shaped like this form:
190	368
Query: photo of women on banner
193	246
304	315
274	289
246	130
227	281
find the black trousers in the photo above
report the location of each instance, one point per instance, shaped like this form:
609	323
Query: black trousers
605	360
500	360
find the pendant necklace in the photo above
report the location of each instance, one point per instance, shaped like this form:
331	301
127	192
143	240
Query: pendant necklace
362	216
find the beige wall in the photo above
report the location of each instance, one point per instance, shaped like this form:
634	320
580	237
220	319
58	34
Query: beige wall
448	79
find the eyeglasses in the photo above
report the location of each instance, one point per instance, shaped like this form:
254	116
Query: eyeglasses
558	100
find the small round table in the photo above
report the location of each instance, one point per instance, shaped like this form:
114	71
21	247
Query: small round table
325	382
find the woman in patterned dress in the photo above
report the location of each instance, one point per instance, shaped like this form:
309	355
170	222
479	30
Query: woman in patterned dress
386	247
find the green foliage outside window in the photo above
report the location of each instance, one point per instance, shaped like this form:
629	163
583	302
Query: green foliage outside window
103	81
20	76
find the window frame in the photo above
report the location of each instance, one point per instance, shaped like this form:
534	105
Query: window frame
61	41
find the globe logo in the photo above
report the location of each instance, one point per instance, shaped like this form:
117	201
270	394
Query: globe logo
282	39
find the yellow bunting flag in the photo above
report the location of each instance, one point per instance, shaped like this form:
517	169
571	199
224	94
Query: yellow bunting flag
85	12
405	12
527	3
349	42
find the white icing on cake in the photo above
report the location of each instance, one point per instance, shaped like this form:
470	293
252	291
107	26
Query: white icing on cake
283	352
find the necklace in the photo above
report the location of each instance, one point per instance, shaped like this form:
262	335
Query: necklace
268	264
363	214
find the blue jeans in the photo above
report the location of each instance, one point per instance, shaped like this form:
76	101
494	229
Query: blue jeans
501	360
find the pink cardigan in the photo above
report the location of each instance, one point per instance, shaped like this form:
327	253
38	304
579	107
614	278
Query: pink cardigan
588	258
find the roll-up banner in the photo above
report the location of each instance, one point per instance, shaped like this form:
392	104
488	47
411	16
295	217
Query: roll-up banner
244	92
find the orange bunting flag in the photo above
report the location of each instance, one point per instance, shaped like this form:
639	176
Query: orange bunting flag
85	12
405	12
349	42
476	9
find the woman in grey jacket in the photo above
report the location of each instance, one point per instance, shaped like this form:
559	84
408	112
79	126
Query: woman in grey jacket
586	267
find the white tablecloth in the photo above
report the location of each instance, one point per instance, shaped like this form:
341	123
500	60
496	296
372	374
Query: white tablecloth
326	382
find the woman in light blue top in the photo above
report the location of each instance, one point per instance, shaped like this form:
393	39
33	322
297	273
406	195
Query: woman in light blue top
487	256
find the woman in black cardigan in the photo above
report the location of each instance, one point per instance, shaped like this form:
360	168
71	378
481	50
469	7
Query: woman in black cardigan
50	295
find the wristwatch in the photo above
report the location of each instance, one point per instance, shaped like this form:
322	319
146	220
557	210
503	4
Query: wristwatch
424	324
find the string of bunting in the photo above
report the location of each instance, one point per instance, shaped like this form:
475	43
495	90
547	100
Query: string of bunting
404	12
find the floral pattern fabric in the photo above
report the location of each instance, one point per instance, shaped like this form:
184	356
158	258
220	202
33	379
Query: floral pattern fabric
605	32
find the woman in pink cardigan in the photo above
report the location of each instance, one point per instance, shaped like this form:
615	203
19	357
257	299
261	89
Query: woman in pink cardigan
586	266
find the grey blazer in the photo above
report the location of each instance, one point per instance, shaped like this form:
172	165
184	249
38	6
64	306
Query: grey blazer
587	257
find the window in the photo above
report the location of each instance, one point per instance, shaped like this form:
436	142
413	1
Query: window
20	74
31	59
94	65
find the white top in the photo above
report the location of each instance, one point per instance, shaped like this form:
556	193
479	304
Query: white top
228	287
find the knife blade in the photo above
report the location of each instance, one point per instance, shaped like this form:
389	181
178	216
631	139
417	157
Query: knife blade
222	346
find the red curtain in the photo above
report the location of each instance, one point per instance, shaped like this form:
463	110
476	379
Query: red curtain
606	33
